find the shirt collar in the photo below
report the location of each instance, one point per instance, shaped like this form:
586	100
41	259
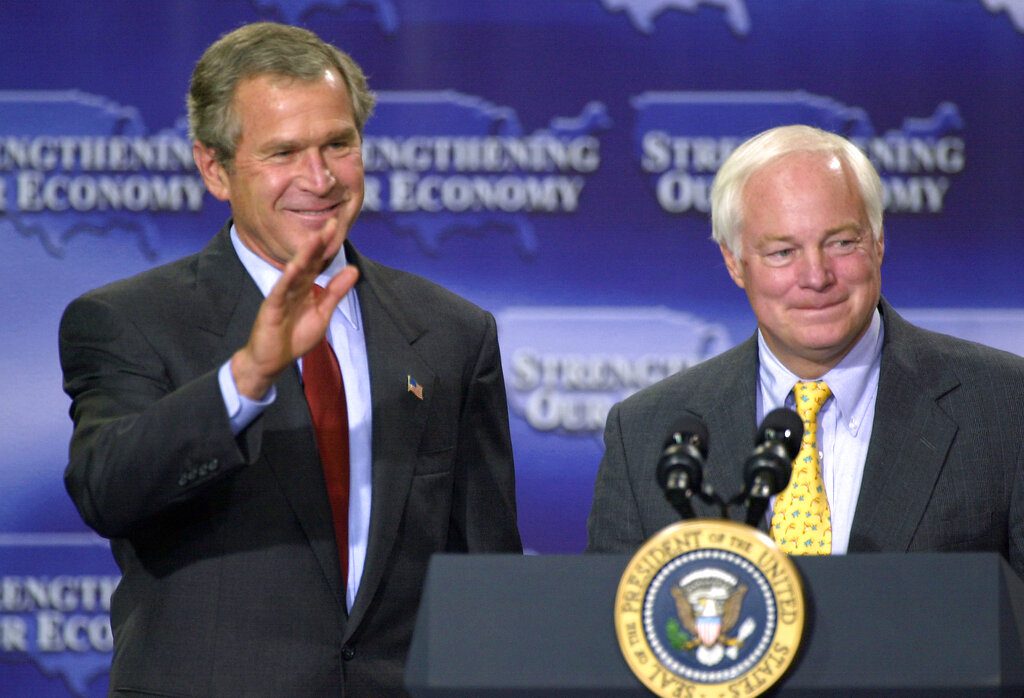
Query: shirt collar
266	275
853	381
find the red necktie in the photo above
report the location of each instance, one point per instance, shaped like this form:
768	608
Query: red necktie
325	393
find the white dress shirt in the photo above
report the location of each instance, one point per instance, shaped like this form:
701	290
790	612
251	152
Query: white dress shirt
844	423
345	335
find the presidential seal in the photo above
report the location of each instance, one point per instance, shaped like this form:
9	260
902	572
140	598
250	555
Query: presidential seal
709	608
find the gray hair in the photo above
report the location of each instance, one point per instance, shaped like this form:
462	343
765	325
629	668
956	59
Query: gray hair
263	48
766	147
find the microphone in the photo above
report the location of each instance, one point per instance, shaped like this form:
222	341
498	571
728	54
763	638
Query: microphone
768	469
681	465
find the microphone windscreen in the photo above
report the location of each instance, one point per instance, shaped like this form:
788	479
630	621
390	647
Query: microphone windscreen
689	429
784	426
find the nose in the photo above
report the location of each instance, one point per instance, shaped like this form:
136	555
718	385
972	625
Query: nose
316	173
816	270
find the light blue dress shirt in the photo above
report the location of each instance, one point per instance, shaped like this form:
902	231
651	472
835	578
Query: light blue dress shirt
844	423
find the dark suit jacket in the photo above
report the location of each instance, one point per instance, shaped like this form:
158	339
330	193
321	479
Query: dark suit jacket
944	469
231	584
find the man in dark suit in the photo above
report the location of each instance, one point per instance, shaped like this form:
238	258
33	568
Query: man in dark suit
919	444
249	566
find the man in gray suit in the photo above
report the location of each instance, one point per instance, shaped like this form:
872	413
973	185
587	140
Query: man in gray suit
920	440
249	566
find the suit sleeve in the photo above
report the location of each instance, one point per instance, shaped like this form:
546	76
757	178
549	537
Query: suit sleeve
614	522
1016	517
484	510
143	442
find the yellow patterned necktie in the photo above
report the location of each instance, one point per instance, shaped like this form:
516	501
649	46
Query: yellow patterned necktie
801	521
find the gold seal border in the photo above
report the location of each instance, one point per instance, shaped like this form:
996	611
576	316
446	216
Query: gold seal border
709	534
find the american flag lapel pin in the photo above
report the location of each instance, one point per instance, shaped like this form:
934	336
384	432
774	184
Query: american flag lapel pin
414	387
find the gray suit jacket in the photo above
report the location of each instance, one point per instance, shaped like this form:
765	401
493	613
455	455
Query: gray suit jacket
944	469
231	584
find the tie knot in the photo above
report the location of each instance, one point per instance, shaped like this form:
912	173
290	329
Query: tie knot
810	396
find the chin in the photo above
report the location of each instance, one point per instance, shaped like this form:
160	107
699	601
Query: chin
830	352
824	341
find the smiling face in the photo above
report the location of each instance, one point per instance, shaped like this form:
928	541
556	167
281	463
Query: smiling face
297	165
810	265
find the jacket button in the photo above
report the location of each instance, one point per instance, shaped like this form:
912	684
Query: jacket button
182	480
348	652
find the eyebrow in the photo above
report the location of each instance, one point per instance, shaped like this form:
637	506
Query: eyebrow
852	225
843	227
342	133
346	133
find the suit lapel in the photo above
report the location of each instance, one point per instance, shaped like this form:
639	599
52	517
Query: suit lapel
289	448
726	402
229	298
391	330
283	434
910	438
732	421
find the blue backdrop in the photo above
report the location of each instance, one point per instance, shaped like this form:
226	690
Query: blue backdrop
548	159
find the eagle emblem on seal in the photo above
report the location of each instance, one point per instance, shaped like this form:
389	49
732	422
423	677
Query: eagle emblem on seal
708	604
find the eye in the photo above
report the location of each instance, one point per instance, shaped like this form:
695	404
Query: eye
779	257
341	146
844	245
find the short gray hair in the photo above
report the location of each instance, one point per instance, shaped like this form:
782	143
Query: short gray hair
262	48
766	147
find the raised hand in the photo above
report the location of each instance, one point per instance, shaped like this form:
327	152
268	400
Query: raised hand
291	319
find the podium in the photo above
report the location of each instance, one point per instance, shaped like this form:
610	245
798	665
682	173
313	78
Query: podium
877	624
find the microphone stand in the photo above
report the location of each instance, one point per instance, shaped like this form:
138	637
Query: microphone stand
679	498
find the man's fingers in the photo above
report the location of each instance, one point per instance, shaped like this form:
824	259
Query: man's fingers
298	274
337	287
327	234
308	260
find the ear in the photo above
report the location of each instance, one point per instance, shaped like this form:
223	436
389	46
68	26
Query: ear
734	265
880	246
215	177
